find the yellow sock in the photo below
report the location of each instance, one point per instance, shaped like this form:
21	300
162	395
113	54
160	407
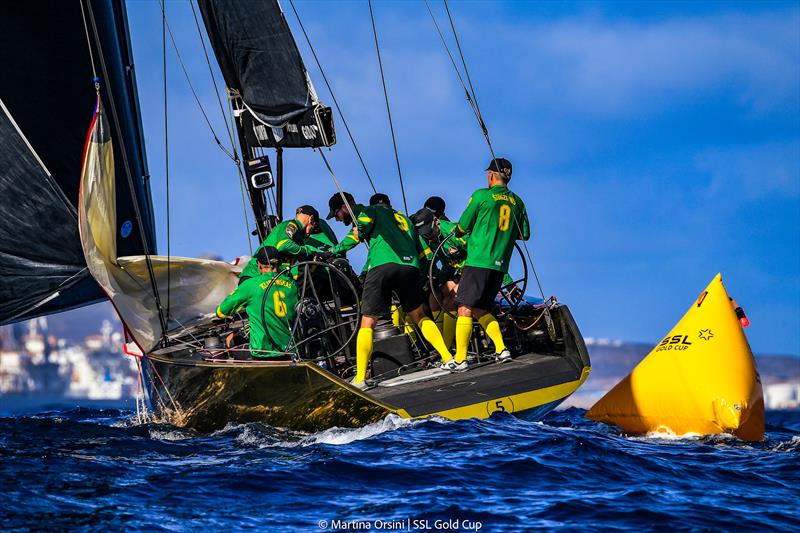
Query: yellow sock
438	317
363	351
432	335
489	323
463	334
448	329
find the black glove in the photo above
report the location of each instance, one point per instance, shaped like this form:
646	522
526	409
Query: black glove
324	256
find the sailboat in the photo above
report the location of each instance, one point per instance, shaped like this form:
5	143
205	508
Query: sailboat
82	231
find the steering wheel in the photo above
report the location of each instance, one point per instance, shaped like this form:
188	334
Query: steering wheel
507	293
332	327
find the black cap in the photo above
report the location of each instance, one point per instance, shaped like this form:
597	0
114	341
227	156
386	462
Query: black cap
380	199
336	203
307	210
436	204
423	221
501	165
268	256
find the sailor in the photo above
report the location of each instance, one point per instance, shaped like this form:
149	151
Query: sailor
494	219
392	266
270	336
321	235
288	238
451	256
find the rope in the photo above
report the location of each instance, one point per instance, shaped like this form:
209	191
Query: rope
333	97
388	109
166	150
89	44
341	192
213	80
242	186
129	175
191	87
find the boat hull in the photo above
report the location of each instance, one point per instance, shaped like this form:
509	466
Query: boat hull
207	395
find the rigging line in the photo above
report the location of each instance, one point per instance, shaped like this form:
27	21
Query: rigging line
388	109
88	41
333	97
242	185
213	78
166	150
470	96
460	53
191	87
452	60
341	193
136	210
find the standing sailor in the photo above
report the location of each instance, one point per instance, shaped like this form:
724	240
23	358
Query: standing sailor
392	266
494	219
270	333
288	238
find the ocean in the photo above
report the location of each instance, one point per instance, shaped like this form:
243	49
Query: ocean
97	470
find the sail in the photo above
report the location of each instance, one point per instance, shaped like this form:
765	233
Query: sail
272	95
48	98
189	289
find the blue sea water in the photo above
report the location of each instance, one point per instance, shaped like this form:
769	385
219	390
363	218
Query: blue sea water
98	470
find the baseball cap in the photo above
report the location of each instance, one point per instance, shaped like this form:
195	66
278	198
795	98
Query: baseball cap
423	220
380	199
436	204
501	165
335	203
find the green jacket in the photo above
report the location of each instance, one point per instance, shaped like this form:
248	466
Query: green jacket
279	312
288	237
390	234
494	219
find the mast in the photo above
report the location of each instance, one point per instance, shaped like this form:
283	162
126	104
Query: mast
274	102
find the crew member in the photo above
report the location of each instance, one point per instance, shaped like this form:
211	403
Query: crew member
392	266
451	255
288	238
271	335
494	219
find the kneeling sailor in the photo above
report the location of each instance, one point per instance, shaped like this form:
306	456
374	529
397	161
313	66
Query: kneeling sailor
270	332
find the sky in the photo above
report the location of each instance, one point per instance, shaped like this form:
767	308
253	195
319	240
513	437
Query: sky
655	144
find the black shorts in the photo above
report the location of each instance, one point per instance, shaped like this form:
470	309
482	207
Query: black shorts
382	281
478	287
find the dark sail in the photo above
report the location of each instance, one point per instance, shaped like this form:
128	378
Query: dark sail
47	89
264	72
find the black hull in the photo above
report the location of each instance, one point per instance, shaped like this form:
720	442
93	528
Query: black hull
207	395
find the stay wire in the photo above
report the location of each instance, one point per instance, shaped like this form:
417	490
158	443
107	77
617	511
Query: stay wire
388	108
194	93
136	209
341	192
213	79
333	97
166	151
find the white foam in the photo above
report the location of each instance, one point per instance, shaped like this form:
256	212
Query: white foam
339	436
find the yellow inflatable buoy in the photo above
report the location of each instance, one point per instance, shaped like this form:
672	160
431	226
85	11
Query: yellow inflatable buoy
701	378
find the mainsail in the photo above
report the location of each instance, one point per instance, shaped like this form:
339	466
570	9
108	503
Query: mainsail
47	96
267	81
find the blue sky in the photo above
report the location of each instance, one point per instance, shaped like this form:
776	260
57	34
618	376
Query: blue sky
655	144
